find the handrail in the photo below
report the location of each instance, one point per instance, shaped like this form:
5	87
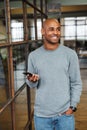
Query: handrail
18	43
12	99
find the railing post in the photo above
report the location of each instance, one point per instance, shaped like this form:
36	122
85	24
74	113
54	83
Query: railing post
10	61
26	55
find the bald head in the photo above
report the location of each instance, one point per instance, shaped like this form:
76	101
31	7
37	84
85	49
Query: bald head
48	21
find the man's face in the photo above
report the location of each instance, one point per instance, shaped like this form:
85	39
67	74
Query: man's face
51	32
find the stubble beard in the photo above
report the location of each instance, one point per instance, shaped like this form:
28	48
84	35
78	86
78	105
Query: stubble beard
52	42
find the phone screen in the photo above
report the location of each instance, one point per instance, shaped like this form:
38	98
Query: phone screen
27	73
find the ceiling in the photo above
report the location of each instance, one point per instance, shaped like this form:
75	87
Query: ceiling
68	7
69	2
17	3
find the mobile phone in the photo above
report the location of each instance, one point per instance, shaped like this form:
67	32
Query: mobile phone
27	73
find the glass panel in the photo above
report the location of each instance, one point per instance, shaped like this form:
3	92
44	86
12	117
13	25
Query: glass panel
31	24
17	30
31	28
76	34
4	89
44	5
86	32
5	119
81	32
70	18
19	65
80	22
38	3
83	59
21	114
69	32
86	20
77	31
81	38
39	26
3	35
81	18
69	22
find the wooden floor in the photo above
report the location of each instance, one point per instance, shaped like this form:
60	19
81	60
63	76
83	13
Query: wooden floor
81	114
21	108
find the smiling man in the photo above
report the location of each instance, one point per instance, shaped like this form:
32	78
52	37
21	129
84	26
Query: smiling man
51	33
56	77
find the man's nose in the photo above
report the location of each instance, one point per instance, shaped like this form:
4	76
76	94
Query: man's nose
55	31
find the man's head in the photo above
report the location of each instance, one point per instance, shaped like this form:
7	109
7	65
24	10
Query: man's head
51	31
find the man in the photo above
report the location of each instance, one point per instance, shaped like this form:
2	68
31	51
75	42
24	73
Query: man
56	77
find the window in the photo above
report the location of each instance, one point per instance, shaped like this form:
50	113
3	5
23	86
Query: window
75	28
32	29
17	30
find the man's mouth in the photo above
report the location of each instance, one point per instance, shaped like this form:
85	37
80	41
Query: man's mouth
54	37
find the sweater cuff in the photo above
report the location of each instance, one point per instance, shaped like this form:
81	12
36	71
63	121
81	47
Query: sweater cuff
74	104
31	84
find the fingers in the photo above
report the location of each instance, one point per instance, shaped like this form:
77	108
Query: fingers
69	111
33	78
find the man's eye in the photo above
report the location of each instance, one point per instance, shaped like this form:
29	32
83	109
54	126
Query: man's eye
51	29
58	29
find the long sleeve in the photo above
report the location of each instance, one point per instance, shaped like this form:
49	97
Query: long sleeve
75	80
32	70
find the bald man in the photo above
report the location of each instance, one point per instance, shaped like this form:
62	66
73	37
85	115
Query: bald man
56	77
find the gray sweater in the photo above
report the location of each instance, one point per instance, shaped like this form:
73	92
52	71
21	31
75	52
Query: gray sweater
59	86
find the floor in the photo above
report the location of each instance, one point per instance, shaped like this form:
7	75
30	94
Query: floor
81	114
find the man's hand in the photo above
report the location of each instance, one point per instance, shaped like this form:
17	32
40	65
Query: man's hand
33	78
69	111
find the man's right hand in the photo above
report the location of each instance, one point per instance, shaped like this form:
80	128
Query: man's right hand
33	78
